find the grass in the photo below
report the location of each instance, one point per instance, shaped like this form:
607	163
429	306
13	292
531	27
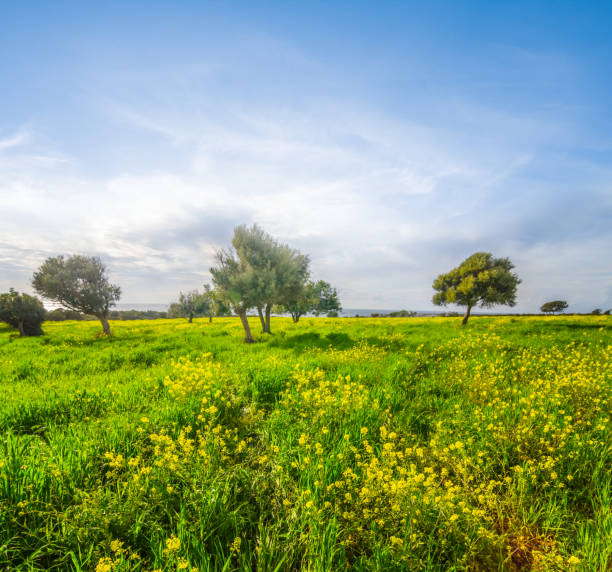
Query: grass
369	444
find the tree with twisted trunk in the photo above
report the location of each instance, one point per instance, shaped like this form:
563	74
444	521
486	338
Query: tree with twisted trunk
278	269
78	283
236	283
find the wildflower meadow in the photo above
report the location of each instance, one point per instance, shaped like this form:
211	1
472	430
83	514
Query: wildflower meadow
332	444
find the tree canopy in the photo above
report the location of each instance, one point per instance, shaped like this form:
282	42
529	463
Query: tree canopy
24	312
258	273
314	298
553	307
193	303
78	283
479	279
281	272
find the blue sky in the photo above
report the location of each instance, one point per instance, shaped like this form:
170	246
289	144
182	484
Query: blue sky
388	140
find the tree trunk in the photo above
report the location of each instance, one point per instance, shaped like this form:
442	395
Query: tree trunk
191	317
466	315
248	338
20	328
261	319
295	317
268	310
210	318
105	327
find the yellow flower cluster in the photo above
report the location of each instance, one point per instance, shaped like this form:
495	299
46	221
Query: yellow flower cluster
310	395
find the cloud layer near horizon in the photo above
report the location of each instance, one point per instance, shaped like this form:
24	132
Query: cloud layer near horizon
163	160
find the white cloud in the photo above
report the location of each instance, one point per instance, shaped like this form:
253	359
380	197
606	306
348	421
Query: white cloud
17	139
382	202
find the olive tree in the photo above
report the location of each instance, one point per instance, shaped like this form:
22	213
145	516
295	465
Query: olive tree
553	307
258	273
236	282
193	304
479	279
315	297
327	300
280	271
257	250
292	277
78	283
23	312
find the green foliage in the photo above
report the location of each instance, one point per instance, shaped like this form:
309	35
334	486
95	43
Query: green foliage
400	314
281	272
235	281
553	307
596	312
479	279
326	298
259	273
192	304
257	250
23	312
78	283
371	444
313	298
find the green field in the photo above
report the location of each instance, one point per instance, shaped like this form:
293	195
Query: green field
369	444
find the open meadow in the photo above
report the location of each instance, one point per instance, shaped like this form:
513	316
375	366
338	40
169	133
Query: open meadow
369	444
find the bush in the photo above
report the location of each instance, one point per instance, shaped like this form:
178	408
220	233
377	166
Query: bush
23	312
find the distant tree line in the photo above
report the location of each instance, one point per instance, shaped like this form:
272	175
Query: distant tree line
400	314
256	272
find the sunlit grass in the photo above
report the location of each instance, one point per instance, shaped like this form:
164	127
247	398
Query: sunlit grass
382	444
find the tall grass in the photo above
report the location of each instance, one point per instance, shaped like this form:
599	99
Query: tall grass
369	444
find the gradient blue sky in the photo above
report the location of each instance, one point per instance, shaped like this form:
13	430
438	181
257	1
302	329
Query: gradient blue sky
388	140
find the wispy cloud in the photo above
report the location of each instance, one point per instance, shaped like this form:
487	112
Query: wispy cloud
21	137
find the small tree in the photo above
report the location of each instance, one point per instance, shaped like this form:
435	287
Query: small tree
327	300
292	281
193	304
596	312
78	283
216	305
23	312
301	303
315	297
553	307
479	279
175	310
